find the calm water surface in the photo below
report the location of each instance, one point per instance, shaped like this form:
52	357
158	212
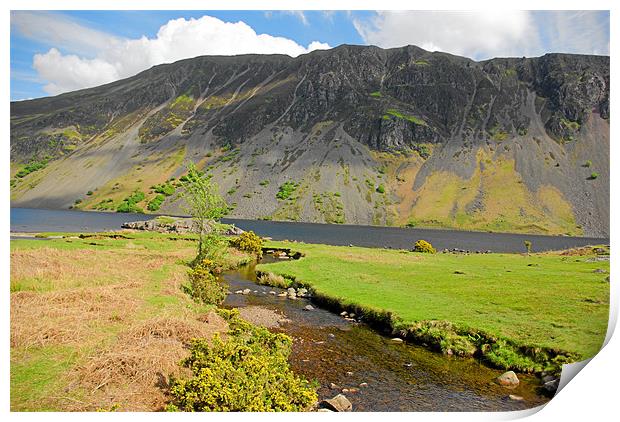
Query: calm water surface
38	220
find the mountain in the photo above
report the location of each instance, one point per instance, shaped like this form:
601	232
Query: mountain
355	134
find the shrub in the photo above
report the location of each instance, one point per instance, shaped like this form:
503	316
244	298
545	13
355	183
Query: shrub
264	183
129	203
423	246
381	189
594	175
286	190
155	203
588	163
204	287
165	189
89	193
528	246
248	372
249	242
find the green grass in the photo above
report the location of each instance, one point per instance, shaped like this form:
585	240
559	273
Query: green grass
541	300
395	113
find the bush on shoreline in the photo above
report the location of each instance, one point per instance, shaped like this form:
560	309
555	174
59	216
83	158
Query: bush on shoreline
248	371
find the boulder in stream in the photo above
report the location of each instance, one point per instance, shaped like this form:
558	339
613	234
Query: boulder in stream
508	379
338	403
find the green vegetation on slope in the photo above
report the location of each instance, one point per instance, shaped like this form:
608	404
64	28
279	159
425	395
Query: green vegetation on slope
553	301
395	113
167	119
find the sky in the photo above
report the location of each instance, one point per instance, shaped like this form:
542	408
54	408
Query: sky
59	51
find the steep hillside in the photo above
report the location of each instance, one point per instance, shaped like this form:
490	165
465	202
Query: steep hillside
355	134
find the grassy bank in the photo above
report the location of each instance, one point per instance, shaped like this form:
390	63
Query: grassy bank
518	311
100	322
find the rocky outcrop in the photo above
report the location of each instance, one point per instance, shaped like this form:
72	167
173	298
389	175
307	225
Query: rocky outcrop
173	225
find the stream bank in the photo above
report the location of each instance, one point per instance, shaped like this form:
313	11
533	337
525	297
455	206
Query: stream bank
375	372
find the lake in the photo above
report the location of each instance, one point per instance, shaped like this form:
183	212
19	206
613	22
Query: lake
42	220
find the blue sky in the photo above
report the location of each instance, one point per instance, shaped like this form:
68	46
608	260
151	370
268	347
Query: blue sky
55	52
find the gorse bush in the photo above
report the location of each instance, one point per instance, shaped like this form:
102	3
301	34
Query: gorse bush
203	286
248	372
249	242
423	246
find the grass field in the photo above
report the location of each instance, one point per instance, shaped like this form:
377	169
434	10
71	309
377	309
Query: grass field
550	300
100	322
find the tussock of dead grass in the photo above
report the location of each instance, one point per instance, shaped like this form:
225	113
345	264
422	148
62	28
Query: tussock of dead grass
134	372
65	317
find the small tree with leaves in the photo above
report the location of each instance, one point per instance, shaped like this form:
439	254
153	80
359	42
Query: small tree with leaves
206	206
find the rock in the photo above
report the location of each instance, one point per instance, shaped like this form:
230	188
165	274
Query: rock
408	365
508	379
308	308
345	390
352	315
334	386
349	373
324	410
343	313
283	294
551	387
302	292
338	403
239	292
290	290
330	335
292	296
233	231
397	340
284	321
272	293
353	390
246	291
515	397
364	385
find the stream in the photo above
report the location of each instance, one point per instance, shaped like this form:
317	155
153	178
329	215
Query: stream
399	376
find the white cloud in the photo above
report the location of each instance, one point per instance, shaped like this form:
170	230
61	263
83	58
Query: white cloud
476	34
178	39
490	33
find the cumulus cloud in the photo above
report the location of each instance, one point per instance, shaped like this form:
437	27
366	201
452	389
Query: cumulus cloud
486	34
176	40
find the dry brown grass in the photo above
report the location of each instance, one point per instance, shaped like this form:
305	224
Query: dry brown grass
115	309
134	372
55	269
66	317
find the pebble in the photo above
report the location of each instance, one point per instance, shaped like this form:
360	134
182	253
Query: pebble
272	293
515	397
308	308
334	386
397	340
349	373
343	313
246	291
364	385
330	335
239	292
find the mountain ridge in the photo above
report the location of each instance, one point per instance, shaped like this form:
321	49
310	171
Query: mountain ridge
369	135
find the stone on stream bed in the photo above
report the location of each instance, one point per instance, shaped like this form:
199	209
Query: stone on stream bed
515	397
246	291
308	308
508	379
338	403
397	340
